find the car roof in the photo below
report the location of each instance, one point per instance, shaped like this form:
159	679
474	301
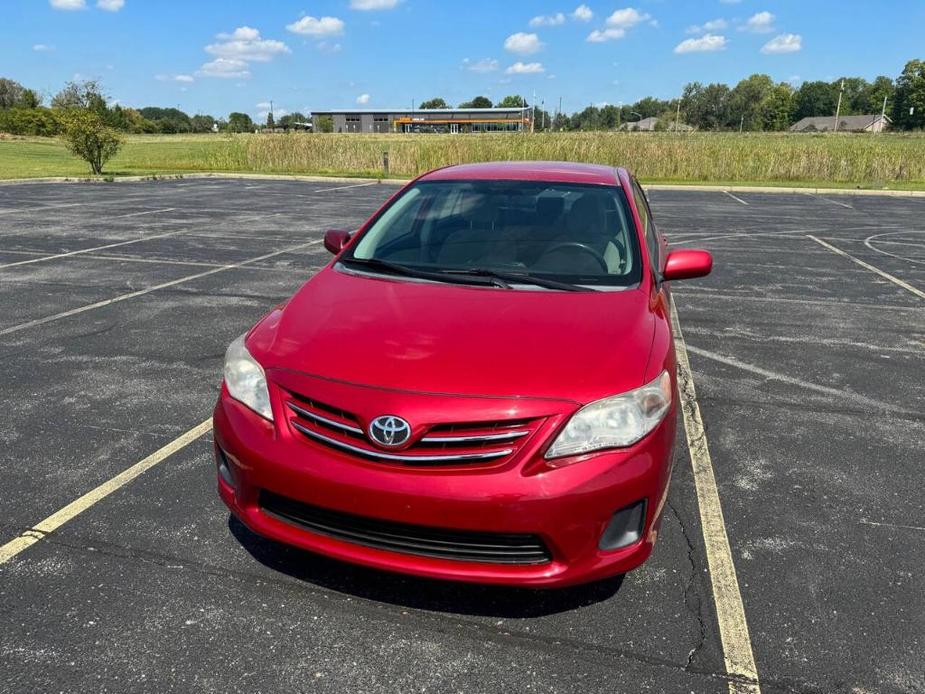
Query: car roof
552	171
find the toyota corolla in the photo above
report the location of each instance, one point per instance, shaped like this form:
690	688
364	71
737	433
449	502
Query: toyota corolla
480	386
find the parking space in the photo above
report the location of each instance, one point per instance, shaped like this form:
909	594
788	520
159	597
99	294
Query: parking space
808	368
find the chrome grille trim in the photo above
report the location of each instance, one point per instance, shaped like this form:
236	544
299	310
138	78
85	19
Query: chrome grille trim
449	458
324	420
506	436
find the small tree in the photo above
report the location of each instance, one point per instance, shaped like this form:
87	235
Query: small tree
87	136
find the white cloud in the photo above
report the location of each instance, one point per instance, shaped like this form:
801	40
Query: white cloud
225	68
482	66
761	23
520	68
626	18
328	48
583	13
602	35
548	20
313	26
110	5
523	43
363	99
705	44
785	43
245	43
68	4
186	79
43	48
707	27
373	4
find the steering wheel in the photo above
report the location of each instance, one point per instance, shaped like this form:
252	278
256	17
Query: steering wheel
583	247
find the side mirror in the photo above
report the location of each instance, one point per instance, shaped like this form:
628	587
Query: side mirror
336	239
686	264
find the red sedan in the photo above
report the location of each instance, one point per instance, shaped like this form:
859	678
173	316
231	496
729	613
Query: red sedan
480	386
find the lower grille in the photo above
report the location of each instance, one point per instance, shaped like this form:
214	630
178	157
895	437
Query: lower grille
459	545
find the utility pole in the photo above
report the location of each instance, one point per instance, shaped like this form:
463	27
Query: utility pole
533	118
838	108
677	116
559	110
882	116
741	122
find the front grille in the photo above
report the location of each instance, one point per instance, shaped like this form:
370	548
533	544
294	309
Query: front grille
458	545
459	443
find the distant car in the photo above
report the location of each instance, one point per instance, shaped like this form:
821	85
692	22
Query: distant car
481	386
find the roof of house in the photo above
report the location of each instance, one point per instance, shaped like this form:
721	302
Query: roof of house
844	122
650	123
554	171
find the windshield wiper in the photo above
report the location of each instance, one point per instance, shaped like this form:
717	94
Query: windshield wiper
518	278
398	269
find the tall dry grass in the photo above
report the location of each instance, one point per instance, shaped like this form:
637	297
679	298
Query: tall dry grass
865	160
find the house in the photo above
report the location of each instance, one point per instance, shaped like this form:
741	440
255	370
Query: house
874	123
435	120
650	125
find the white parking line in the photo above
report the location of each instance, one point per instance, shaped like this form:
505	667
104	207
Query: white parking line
81	504
358	185
833	202
895	280
139	214
737	199
141	292
730	612
91	250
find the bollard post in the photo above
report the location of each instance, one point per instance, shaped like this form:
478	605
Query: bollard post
385	164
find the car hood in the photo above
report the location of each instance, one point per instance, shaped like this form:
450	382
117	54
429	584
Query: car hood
458	339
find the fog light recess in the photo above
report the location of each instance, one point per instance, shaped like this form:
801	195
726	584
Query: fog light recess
625	527
224	468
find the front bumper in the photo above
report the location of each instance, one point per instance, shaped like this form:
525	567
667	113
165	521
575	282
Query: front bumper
568	507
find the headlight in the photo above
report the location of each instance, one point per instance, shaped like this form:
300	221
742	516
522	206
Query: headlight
615	422
245	379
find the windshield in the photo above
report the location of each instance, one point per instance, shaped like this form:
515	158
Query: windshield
570	233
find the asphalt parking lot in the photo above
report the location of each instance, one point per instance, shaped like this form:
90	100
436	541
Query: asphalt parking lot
807	346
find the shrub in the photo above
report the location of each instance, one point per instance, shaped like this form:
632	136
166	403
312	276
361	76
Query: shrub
87	137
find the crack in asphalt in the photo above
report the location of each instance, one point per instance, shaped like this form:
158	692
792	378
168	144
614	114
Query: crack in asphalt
692	599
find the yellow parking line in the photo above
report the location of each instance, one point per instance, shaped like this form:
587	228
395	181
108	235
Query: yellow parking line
59	518
730	612
867	266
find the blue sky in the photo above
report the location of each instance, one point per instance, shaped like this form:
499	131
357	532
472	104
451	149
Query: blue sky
216	56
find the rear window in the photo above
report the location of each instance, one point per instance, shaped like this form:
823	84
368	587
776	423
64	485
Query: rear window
581	234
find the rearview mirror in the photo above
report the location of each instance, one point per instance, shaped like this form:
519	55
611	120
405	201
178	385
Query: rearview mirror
686	264
336	239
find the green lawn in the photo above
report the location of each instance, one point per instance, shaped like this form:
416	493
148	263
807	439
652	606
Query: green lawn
842	161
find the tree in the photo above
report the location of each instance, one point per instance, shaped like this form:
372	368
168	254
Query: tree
910	95
815	99
81	94
706	108
745	101
776	108
88	137
325	124
270	122
433	103
168	120
512	101
872	100
11	93
477	102
202	123
648	107
292	120
240	123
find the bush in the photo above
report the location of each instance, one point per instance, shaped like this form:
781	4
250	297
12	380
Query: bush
28	121
87	137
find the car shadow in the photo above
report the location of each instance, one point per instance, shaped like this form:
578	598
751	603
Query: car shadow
419	593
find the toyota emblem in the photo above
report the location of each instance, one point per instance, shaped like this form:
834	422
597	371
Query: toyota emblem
389	431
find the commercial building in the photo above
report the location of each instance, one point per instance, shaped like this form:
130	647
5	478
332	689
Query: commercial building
437	120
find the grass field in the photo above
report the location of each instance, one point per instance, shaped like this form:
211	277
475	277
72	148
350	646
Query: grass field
868	161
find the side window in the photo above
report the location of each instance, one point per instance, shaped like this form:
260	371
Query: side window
648	226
